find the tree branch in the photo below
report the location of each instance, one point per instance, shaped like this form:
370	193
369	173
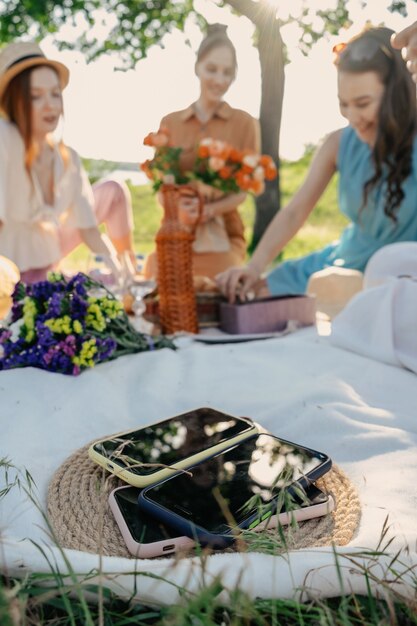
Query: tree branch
250	9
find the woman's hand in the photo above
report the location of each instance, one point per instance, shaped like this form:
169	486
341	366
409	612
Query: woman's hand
112	262
208	213
407	39
237	282
188	210
101	244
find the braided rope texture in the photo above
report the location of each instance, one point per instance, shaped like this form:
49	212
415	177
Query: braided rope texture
79	513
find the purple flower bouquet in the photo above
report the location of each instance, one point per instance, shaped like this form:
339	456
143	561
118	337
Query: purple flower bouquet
69	325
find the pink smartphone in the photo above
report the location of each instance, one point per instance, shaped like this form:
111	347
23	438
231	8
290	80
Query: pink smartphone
312	503
146	537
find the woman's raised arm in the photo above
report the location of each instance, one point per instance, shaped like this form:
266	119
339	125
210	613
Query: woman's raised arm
286	223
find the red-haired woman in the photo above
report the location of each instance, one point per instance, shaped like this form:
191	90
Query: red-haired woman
47	206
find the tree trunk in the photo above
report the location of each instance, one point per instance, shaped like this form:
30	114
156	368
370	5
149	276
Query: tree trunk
272	61
271	56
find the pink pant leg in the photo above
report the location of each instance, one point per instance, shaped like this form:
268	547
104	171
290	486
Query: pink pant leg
112	207
34	276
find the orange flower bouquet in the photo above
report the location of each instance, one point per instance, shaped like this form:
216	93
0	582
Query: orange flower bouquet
164	166
218	165
229	170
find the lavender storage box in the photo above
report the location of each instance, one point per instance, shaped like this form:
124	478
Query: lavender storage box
267	314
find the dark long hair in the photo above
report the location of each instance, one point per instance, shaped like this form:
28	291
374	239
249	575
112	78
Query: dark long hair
371	51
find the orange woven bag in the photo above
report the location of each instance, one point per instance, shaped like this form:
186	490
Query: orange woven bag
177	300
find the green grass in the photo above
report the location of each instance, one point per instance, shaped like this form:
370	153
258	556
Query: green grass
29	602
323	226
56	600
325	222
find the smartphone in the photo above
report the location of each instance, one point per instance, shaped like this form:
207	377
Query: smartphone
147	455
147	537
236	489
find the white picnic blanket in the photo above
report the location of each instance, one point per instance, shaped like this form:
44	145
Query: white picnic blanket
381	321
359	411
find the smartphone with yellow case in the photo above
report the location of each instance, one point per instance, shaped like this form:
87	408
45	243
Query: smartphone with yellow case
147	455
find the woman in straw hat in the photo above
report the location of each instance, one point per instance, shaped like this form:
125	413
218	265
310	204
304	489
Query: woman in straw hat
376	157
47	206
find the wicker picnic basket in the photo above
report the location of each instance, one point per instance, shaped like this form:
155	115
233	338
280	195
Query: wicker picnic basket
177	301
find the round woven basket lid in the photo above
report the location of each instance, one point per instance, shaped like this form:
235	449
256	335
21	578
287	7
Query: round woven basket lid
9	276
81	518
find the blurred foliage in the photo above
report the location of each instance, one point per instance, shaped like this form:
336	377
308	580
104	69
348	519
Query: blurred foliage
97	168
398	6
134	26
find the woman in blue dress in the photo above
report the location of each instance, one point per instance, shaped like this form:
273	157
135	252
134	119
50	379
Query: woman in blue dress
376	158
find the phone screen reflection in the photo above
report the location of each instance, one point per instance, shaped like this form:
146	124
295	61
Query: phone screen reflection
148	449
236	484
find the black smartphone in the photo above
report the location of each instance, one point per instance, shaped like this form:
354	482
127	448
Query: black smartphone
234	490
147	537
147	455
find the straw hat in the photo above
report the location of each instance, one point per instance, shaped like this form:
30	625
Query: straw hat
333	288
9	276
18	56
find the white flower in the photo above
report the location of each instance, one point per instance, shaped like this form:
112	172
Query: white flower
215	163
217	148
259	173
207	141
251	160
15	329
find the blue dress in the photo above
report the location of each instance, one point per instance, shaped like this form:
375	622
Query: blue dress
370	228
